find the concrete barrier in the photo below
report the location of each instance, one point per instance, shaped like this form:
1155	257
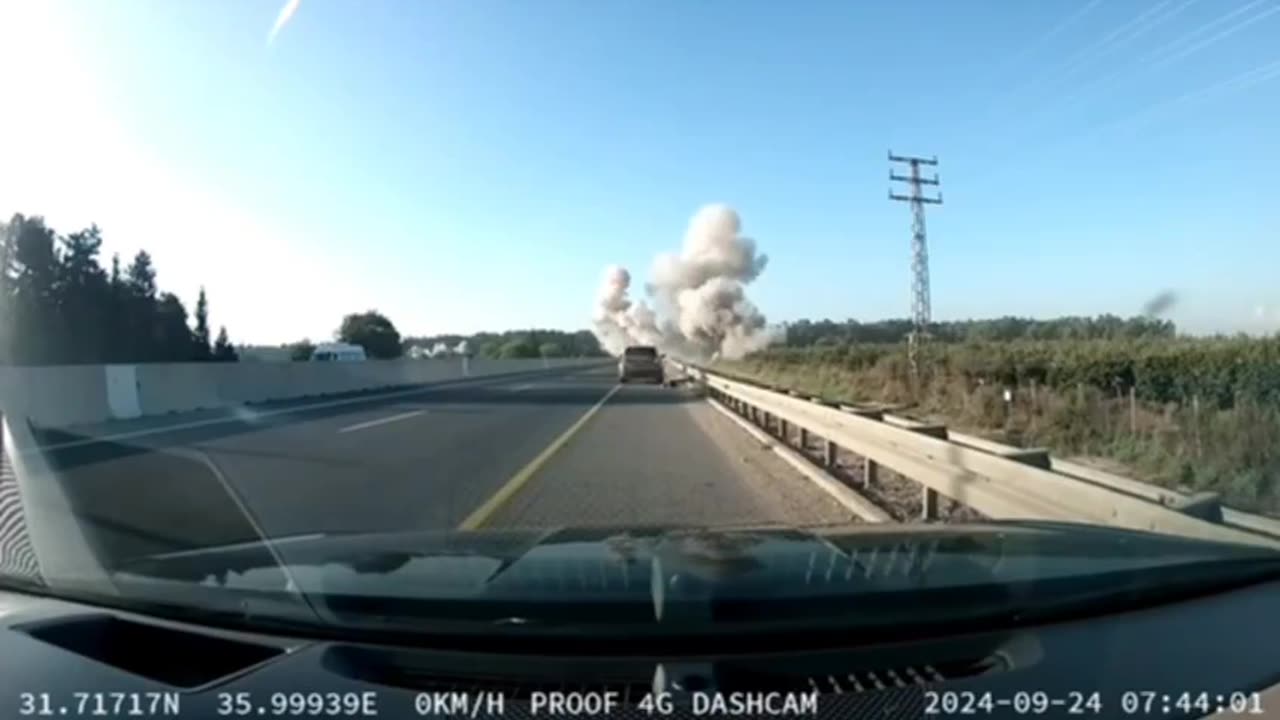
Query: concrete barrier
58	396
55	395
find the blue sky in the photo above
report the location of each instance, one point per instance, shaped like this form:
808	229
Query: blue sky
468	165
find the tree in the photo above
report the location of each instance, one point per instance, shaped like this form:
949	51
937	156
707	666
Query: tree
170	335
117	325
139	309
141	276
554	343
58	305
200	336
83	301
7	241
301	350
521	347
372	331
222	349
37	330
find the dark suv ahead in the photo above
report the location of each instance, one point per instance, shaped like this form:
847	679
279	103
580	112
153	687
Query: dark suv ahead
640	362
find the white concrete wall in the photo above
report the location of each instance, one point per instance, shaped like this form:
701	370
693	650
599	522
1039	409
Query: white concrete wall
76	394
56	394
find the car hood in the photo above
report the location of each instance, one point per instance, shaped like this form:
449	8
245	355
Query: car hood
641	575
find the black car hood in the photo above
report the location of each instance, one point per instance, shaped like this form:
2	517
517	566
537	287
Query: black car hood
655	575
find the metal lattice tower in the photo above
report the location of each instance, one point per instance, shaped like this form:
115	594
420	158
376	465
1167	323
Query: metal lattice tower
920	310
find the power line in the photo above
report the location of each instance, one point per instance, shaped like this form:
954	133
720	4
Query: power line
920	301
1243	24
1171	51
1243	81
1053	32
1172	46
1109	42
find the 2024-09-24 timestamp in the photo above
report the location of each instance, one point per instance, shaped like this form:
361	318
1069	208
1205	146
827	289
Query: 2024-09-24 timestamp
1136	703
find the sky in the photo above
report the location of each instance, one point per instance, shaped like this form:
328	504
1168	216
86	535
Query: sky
467	165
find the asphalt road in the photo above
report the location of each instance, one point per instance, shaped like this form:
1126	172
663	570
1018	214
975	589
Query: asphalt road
563	448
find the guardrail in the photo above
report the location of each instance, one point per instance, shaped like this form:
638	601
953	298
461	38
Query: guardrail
999	481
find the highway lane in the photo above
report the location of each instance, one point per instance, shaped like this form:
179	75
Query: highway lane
663	456
316	471
555	449
424	471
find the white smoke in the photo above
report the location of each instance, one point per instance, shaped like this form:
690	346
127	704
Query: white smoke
286	14
441	349
700	309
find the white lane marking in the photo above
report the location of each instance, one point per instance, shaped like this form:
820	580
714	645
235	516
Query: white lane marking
478	381
381	421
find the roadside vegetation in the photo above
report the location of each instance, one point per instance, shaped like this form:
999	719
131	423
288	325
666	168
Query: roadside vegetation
59	305
1192	414
533	343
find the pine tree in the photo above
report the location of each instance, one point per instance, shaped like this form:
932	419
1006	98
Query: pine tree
200	337
222	349
37	330
142	276
82	298
116	327
140	332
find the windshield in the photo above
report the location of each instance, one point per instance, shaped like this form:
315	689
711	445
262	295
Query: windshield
364	314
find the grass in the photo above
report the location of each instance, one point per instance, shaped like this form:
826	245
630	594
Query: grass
1188	446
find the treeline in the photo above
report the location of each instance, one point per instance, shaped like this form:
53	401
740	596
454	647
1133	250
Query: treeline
517	343
58	305
1214	371
805	333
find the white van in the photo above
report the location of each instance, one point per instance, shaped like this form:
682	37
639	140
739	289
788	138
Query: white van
338	352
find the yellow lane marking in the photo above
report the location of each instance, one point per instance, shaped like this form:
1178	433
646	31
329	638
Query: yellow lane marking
481	514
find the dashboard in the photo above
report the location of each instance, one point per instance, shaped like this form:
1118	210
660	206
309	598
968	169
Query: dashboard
1194	658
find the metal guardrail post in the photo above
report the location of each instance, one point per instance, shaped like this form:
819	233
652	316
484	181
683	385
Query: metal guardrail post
804	438
870	472
928	503
929	496
829	454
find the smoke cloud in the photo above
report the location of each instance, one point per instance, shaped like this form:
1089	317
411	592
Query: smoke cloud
699	308
1160	304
